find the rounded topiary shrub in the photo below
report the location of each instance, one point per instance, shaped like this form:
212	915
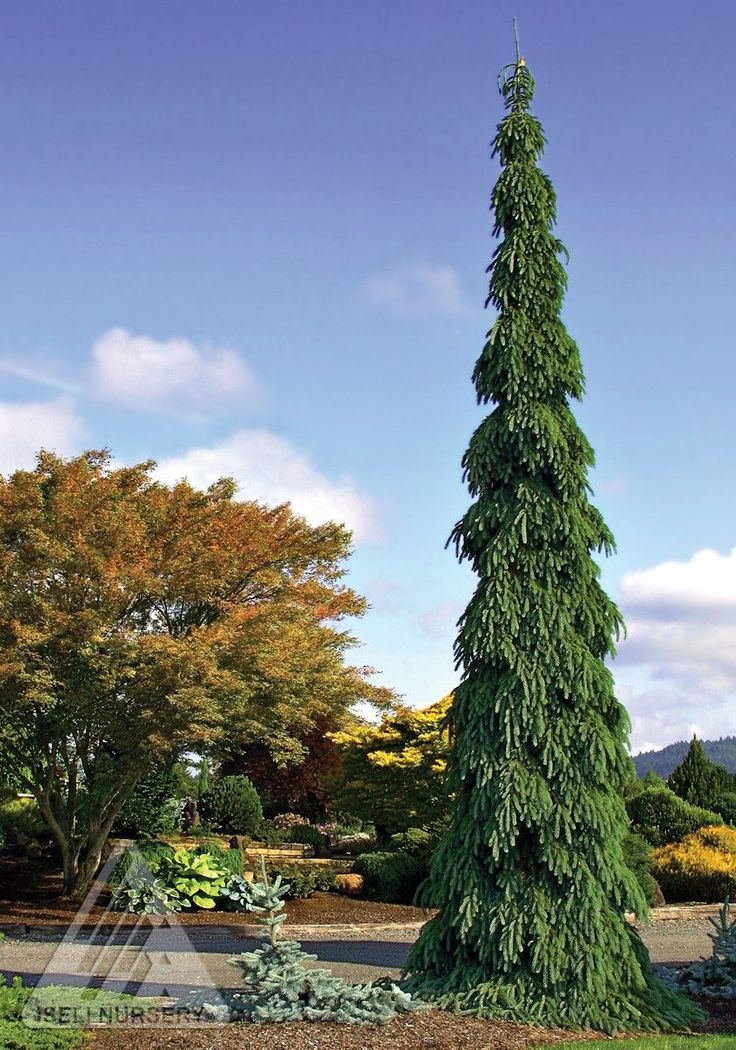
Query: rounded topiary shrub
232	805
700	868
660	816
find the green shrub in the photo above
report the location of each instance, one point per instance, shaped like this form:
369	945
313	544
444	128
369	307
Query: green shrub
21	821
308	835
270	833
700	868
661	817
232	805
230	860
303	880
726	806
153	809
199	831
390	877
638	857
147	853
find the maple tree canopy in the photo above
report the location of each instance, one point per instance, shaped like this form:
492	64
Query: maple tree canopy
138	619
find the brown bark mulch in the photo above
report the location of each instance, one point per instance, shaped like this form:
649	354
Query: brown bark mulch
721	1019
324	909
431	1030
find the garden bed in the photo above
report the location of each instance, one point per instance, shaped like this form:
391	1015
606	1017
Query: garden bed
323	909
30	888
427	1031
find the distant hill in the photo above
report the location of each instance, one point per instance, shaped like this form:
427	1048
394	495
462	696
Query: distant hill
662	762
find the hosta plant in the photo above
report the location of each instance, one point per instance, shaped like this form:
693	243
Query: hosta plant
145	895
196	877
238	894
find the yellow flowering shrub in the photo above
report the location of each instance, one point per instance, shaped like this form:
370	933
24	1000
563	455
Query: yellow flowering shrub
700	868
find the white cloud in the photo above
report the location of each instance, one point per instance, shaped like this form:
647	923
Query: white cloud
707	582
173	375
678	663
418	289
270	469
27	427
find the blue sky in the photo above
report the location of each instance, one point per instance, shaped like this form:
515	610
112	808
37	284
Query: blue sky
251	238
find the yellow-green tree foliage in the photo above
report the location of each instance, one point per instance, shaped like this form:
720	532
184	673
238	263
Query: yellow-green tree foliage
392	773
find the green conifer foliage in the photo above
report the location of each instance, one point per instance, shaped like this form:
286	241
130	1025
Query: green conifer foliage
279	987
530	877
699	780
203	781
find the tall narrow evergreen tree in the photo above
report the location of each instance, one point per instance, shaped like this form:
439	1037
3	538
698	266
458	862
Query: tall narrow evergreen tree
530	878
699	780
203	781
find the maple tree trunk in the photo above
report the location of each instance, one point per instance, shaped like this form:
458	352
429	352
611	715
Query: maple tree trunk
80	854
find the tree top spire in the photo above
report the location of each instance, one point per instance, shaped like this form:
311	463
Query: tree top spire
515	82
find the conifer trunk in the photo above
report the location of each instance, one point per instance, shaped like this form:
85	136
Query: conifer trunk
530	878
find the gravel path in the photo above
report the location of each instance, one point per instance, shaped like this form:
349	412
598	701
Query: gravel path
175	955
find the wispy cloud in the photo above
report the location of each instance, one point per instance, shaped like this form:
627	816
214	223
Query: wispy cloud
615	486
679	659
418	289
440	620
269	468
40	375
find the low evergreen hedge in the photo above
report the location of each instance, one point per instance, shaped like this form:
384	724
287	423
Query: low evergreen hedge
390	877
638	857
229	859
149	852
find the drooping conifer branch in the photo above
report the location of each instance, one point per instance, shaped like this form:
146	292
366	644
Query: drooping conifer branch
530	877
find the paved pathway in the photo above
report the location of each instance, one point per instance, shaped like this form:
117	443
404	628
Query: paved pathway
198	956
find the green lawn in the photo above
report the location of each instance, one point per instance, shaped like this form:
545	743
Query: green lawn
659	1042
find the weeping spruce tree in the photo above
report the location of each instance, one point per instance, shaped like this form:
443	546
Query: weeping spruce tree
530	878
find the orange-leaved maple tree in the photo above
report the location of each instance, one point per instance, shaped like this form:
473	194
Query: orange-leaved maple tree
139	619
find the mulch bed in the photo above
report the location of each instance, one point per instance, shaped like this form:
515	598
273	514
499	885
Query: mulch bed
433	1029
324	909
721	1018
430	1030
